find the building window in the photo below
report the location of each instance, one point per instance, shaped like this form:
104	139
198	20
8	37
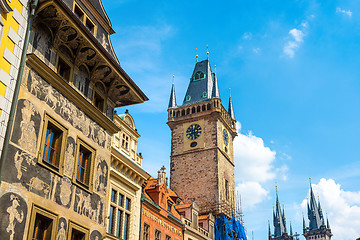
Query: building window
79	13
63	69
167	237
77	232
188	97
199	75
119	216
226	189
53	144
204	94
85	157
42	224
84	18
98	101
157	235
125	141
146	232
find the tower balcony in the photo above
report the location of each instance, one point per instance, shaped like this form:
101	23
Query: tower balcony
198	110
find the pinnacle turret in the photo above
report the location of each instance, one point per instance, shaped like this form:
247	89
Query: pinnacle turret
172	101
231	109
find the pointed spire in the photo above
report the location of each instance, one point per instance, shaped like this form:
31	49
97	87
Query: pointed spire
269	230
172	101
304	225
327	222
215	89
315	218
291	233
231	109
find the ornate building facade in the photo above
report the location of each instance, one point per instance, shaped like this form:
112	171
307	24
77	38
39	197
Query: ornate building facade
126	179
57	169
202	134
317	228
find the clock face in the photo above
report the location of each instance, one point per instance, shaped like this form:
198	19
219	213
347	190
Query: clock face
193	132
225	137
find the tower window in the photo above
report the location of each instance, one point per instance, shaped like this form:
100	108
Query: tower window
199	75
63	69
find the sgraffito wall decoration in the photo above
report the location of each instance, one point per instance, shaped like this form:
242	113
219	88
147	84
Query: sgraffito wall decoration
89	205
62	226
66	109
13	211
95	235
101	176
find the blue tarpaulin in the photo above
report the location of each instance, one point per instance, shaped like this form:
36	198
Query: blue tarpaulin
229	229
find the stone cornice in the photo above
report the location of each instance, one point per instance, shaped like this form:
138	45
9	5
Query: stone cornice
69	92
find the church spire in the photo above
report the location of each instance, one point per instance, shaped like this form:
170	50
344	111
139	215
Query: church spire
279	219
231	109
172	101
314	214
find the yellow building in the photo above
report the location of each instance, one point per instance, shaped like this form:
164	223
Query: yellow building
13	23
126	179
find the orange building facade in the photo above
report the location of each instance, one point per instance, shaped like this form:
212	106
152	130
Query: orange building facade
159	218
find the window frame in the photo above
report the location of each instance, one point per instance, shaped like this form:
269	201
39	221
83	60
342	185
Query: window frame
61	57
81	143
56	169
77	227
118	231
84	18
44	213
148	233
155	231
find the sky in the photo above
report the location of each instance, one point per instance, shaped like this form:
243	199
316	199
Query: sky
293	69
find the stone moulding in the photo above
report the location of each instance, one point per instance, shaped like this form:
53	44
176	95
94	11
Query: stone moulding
62	86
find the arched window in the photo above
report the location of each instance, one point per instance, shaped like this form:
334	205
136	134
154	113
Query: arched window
199	75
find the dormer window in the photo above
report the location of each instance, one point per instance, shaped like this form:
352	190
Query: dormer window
204	95
79	13
188	98
199	75
84	18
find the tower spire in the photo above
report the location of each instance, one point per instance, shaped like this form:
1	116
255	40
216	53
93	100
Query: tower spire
172	101
231	109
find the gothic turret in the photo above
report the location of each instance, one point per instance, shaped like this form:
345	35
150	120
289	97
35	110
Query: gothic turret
317	228
172	101
231	109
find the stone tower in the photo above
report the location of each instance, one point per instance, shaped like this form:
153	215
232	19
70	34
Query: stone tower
317	228
202	134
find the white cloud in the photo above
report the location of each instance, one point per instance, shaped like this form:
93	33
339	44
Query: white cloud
254	167
342	207
346	12
255	193
247	36
296	36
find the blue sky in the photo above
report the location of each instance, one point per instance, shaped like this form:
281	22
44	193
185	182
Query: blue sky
293	67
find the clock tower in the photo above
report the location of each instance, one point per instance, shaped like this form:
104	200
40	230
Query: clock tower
202	134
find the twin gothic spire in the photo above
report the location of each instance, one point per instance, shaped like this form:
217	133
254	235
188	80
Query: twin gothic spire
203	86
